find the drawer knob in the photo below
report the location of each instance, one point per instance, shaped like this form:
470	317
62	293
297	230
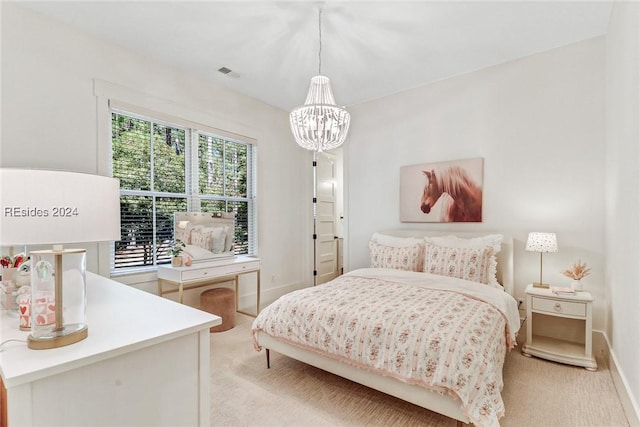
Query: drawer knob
557	307
205	273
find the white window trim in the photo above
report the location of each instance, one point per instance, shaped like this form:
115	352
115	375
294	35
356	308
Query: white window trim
110	95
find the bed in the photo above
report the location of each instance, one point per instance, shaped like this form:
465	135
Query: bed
430	322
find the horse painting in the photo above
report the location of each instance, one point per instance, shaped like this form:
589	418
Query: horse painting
464	203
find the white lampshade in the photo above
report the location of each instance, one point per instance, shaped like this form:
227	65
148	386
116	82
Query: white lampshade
54	207
542	242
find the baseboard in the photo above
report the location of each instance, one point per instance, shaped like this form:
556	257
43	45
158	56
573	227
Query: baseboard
247	301
602	348
267	296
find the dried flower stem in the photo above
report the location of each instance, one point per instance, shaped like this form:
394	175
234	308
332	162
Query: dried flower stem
577	271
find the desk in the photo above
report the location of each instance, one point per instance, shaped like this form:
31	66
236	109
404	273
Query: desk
146	361
203	274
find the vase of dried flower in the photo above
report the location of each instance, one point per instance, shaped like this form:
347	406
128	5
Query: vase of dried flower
576	285
577	271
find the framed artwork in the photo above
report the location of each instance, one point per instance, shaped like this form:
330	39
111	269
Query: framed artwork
442	192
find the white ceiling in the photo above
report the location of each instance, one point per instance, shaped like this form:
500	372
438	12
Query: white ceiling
370	49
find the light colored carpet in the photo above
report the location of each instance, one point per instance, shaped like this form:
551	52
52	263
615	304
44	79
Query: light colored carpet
245	393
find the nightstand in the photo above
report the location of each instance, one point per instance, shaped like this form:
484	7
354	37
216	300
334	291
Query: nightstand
559	327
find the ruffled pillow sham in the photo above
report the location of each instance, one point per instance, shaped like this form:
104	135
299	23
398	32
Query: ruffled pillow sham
184	233
467	263
466	258
493	241
396	252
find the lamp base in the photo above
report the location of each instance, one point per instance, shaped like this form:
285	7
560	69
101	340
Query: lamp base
541	285
69	334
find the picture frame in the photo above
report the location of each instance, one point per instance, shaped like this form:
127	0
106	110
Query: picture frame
447	191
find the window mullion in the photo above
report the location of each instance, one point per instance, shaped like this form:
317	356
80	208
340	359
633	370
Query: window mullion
224	169
151	160
193	172
153	197
251	195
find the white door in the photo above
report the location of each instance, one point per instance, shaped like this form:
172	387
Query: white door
325	241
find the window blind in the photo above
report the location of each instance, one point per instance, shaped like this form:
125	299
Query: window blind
224	186
164	168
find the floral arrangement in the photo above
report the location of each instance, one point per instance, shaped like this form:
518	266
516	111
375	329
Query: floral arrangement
176	248
577	271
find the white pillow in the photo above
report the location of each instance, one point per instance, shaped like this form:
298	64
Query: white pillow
218	237
229	231
492	240
398	242
196	252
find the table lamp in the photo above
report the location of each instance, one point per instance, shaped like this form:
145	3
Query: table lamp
541	242
54	207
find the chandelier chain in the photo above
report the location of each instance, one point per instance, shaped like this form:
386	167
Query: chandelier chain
320	42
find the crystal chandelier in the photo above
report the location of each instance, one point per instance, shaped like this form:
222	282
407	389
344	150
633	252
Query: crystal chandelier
320	124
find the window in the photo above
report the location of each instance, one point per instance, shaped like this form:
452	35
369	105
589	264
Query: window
164	168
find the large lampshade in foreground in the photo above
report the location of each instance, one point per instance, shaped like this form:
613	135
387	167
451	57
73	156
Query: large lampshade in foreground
55	207
541	242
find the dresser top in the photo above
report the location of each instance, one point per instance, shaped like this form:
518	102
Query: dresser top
120	319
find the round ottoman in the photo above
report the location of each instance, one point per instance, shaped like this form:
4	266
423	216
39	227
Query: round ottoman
221	302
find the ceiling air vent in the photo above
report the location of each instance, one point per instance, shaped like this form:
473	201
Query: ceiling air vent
228	72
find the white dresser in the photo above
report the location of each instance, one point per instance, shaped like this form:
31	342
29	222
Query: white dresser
203	274
146	361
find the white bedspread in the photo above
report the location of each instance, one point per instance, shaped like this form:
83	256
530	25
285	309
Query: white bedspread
441	333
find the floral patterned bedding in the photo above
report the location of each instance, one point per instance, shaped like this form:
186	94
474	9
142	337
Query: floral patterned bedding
441	333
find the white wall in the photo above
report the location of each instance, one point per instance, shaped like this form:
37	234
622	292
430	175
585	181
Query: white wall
623	189
538	122
50	120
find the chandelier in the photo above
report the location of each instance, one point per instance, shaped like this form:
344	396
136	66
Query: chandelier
319	124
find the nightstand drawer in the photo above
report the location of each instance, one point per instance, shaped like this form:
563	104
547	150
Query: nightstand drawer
578	309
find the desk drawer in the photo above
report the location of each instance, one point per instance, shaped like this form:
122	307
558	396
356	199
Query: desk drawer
570	308
219	271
